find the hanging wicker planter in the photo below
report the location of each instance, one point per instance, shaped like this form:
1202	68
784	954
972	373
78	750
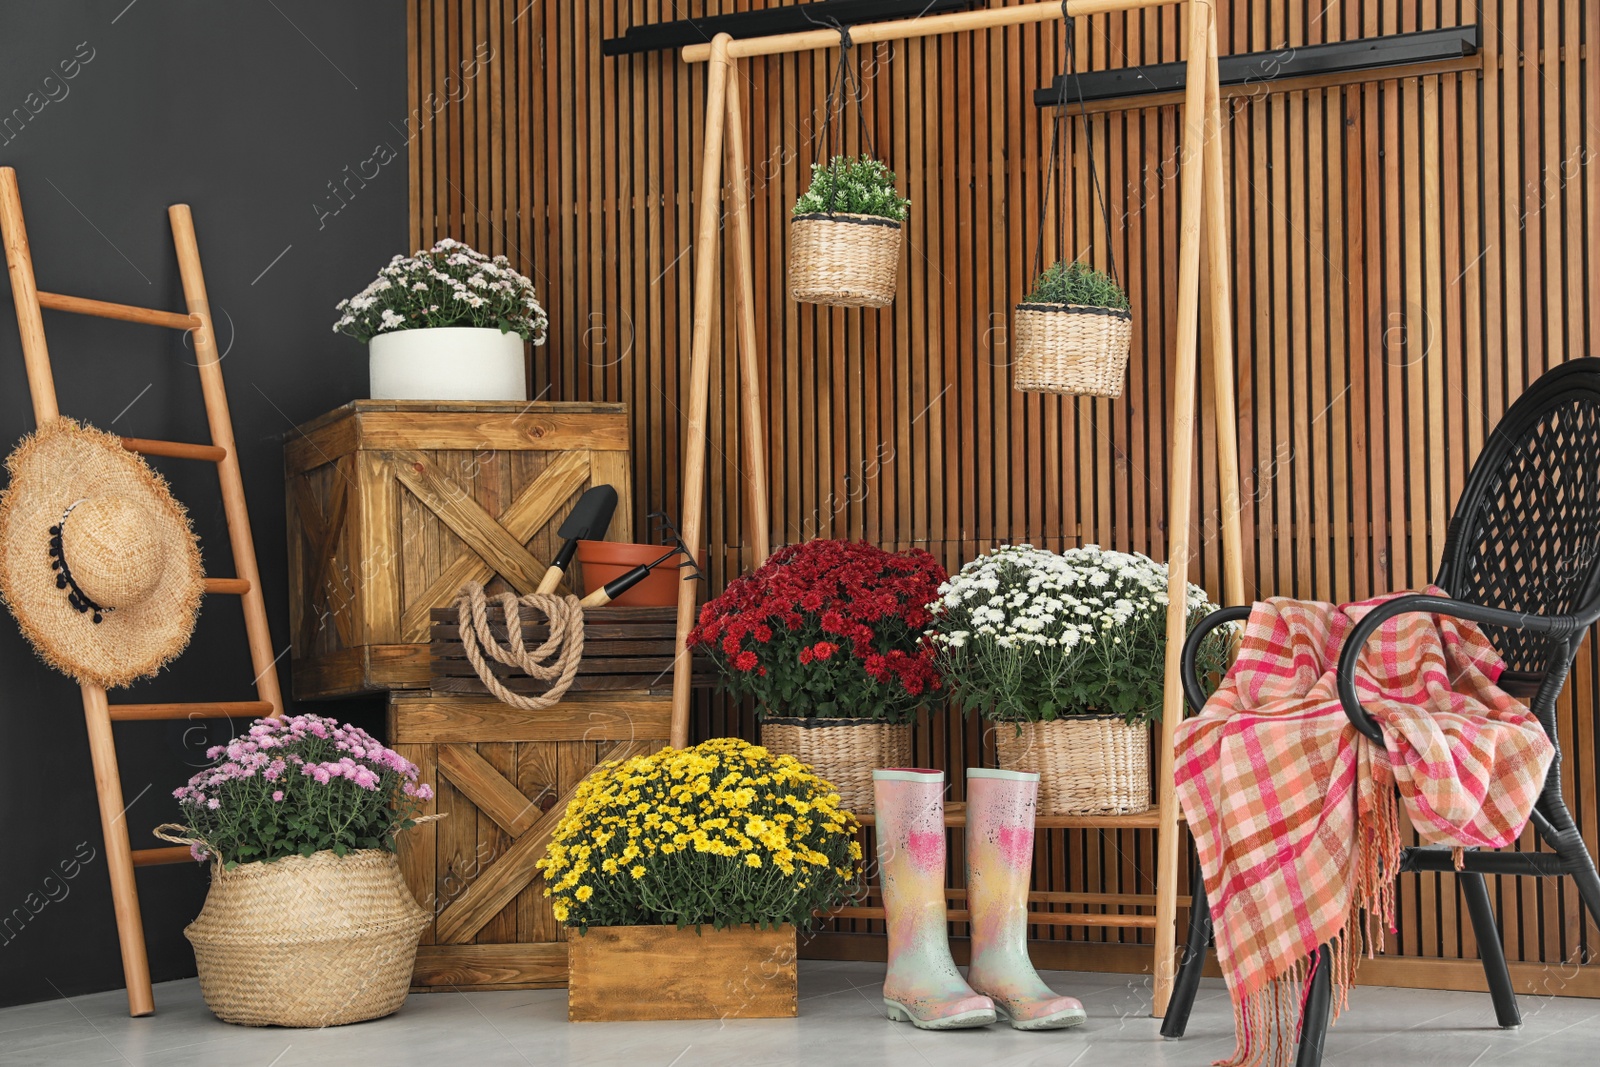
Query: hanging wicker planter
1070	348
844	260
1072	333
1087	765
318	940
845	752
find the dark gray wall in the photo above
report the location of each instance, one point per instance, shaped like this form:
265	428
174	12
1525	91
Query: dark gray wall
246	110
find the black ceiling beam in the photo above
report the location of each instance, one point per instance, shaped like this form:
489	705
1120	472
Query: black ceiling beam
790	18
1368	53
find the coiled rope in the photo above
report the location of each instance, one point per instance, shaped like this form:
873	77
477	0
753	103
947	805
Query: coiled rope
555	661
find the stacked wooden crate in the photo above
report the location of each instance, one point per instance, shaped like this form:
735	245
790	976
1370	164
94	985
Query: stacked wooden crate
393	506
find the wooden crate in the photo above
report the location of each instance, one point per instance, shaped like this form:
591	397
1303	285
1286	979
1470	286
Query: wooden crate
504	778
631	973
394	505
623	648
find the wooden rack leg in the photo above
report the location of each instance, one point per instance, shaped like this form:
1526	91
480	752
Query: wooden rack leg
262	658
1180	501
119	854
97	715
1220	303
706	264
758	521
25	295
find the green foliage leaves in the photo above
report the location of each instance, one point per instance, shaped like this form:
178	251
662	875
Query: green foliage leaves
1077	283
853	185
297	786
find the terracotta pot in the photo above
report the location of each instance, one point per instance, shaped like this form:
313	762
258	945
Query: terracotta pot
605	561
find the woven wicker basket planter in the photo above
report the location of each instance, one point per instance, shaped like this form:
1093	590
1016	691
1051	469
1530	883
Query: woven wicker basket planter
1087	765
845	752
1070	348
844	260
307	941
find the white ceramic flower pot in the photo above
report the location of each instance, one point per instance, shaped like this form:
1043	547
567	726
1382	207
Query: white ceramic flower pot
448	363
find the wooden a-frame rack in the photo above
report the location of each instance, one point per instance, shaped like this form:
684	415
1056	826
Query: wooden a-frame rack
1204	230
121	857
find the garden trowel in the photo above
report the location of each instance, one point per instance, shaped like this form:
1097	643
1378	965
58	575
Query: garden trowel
588	521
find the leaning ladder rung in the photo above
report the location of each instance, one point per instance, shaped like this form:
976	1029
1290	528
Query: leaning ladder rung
215	709
150	857
175	449
104	309
227	586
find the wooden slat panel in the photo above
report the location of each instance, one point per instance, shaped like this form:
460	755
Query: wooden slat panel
490	540
533	509
499	883
487	787
1409	249
417	719
484	967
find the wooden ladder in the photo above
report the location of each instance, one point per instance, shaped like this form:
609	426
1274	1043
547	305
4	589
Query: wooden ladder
121	859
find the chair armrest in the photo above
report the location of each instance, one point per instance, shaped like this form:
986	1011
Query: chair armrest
1192	687
1555	626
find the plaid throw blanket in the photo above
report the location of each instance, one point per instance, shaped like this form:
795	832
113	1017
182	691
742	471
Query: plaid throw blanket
1293	810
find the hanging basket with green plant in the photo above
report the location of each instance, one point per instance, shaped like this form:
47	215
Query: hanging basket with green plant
845	237
1073	331
1072	334
844	240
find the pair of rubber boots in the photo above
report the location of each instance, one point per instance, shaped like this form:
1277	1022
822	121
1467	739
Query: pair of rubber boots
923	986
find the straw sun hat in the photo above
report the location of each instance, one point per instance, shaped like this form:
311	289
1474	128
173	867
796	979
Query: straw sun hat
97	560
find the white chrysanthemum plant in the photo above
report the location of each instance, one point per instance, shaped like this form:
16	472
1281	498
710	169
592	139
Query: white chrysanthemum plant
447	285
1029	635
447	323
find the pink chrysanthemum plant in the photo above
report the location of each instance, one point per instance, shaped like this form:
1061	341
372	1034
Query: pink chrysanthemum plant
297	786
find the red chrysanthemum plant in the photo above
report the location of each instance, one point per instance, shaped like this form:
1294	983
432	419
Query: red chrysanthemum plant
828	630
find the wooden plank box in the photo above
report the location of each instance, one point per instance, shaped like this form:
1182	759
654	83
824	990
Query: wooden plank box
634	973
394	505
623	648
503	778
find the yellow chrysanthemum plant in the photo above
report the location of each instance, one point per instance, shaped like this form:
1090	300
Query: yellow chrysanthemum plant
721	834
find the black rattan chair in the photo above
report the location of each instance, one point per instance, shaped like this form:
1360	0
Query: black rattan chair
1523	560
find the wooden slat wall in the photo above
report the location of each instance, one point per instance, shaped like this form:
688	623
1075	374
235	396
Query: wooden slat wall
1410	249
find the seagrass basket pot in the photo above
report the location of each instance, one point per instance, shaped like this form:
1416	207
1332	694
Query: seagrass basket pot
844	260
1070	348
1087	764
844	752
315	940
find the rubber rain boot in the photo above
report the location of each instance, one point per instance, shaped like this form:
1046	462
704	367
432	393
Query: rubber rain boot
923	986
1000	813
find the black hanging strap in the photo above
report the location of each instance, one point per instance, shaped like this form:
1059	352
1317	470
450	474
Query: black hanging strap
1050	166
845	80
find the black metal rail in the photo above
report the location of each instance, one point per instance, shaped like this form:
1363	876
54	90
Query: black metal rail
1367	53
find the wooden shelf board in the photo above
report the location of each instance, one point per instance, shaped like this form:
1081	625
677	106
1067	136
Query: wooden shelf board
1035	918
956	815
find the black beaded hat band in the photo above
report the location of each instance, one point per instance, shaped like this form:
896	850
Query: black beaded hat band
58	562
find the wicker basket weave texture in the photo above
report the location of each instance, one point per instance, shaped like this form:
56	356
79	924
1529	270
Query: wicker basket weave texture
307	941
1087	765
844	260
1069	348
845	752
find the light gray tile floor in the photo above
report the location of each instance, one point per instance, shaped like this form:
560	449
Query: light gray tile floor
841	1024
